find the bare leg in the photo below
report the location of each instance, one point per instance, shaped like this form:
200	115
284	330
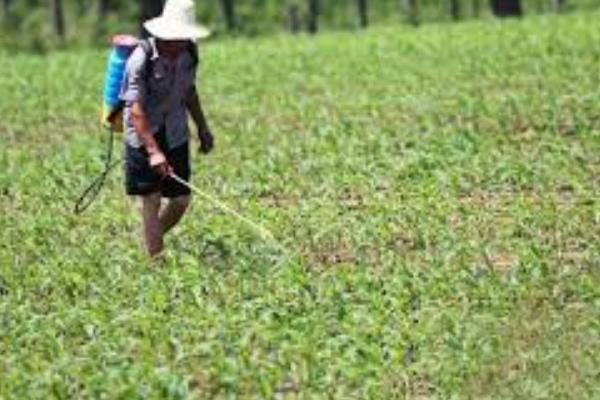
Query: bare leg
152	230
172	212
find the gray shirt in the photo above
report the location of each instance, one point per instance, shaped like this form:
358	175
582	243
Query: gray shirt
162	89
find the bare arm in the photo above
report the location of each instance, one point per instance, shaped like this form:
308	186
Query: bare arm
134	93
195	109
156	158
142	128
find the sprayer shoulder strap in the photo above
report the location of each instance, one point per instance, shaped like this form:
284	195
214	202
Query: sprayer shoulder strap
148	51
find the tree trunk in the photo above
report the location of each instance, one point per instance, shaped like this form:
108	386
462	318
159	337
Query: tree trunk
58	18
149	9
102	9
294	18
228	10
455	9
363	13
313	16
476	8
560	5
412	7
506	8
5	16
5	9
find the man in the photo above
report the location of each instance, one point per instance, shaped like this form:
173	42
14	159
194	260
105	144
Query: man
159	89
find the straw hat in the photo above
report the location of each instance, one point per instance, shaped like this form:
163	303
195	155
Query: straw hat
177	22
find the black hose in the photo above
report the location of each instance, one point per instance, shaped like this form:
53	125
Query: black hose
89	195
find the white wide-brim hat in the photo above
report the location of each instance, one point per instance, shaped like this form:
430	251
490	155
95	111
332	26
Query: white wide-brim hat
177	22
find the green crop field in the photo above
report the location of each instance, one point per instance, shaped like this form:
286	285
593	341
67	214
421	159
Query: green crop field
437	189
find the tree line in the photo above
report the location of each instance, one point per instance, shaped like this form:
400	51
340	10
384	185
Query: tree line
59	20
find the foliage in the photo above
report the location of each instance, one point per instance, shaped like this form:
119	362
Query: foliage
27	24
447	174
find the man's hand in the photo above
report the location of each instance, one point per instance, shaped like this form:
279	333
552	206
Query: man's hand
158	162
207	142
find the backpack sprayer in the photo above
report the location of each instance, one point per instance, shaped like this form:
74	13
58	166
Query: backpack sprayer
112	108
112	120
112	113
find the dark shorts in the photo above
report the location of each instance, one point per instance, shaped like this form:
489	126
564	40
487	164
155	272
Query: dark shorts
140	178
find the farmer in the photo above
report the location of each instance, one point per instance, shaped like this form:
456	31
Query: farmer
159	89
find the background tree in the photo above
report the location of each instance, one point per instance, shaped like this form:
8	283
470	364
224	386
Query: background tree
228	10
363	13
506	8
455	9
149	9
6	17
5	4
412	7
476	8
58	18
313	16
103	8
24	24
293	17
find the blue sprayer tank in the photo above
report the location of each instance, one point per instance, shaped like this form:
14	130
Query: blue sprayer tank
122	47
